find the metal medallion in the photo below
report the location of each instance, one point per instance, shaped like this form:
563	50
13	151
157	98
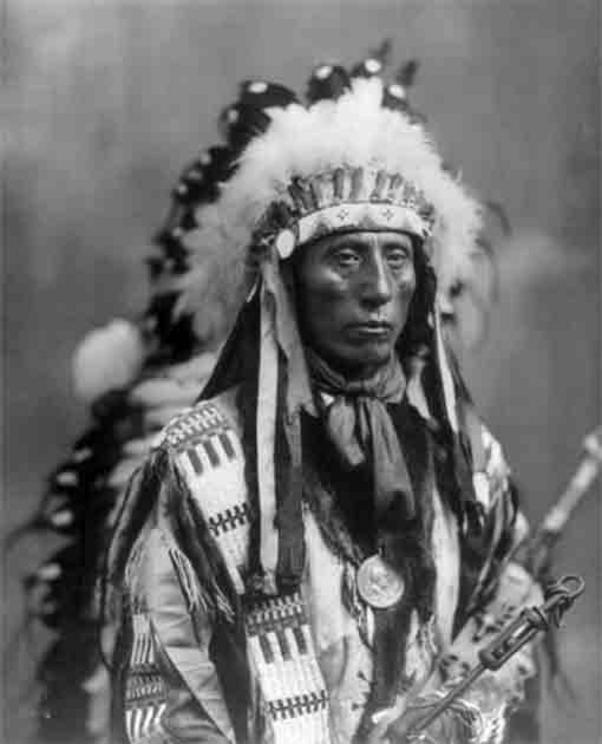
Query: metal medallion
378	584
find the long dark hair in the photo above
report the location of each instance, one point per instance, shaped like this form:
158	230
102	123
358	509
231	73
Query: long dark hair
417	336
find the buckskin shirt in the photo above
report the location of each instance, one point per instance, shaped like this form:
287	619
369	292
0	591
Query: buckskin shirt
313	554
306	657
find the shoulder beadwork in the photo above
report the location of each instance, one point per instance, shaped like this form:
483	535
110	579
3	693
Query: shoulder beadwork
204	421
207	451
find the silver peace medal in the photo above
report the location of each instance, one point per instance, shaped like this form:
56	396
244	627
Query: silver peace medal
378	584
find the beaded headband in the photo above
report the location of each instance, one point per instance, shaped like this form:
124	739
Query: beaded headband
344	200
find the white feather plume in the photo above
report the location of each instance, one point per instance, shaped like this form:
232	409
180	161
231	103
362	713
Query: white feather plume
108	358
355	130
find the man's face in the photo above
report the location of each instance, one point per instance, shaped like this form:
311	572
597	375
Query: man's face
354	291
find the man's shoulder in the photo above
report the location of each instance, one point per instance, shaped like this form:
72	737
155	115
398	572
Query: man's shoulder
215	417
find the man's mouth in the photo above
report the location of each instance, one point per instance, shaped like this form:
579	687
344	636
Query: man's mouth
372	328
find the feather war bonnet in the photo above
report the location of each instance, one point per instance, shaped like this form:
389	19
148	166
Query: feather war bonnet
356	147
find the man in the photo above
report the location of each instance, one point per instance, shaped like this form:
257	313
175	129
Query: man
314	550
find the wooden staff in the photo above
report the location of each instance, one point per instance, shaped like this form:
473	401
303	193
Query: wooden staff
535	553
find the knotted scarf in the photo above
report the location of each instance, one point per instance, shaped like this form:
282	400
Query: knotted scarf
359	426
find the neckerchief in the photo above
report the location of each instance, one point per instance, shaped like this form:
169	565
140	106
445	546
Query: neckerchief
359	426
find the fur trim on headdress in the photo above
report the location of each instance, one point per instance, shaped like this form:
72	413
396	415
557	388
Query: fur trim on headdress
353	131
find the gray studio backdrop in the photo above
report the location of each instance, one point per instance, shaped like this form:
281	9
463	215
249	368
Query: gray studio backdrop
108	100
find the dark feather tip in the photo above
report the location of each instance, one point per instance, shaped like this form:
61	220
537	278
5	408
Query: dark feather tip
218	167
394	97
383	52
327	82
241	123
368	68
261	94
406	74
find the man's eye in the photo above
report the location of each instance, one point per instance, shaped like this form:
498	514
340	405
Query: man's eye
397	258
347	258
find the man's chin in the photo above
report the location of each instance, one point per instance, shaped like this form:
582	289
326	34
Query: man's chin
368	359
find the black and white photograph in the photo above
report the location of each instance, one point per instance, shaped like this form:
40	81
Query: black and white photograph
301	362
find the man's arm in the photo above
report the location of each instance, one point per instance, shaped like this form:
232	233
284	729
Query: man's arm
500	590
169	687
495	591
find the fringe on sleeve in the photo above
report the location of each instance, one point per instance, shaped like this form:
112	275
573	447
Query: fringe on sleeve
158	496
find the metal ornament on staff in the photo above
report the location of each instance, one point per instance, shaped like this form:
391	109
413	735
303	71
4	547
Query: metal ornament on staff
560	597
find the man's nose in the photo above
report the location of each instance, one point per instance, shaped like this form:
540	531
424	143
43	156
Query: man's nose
376	278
